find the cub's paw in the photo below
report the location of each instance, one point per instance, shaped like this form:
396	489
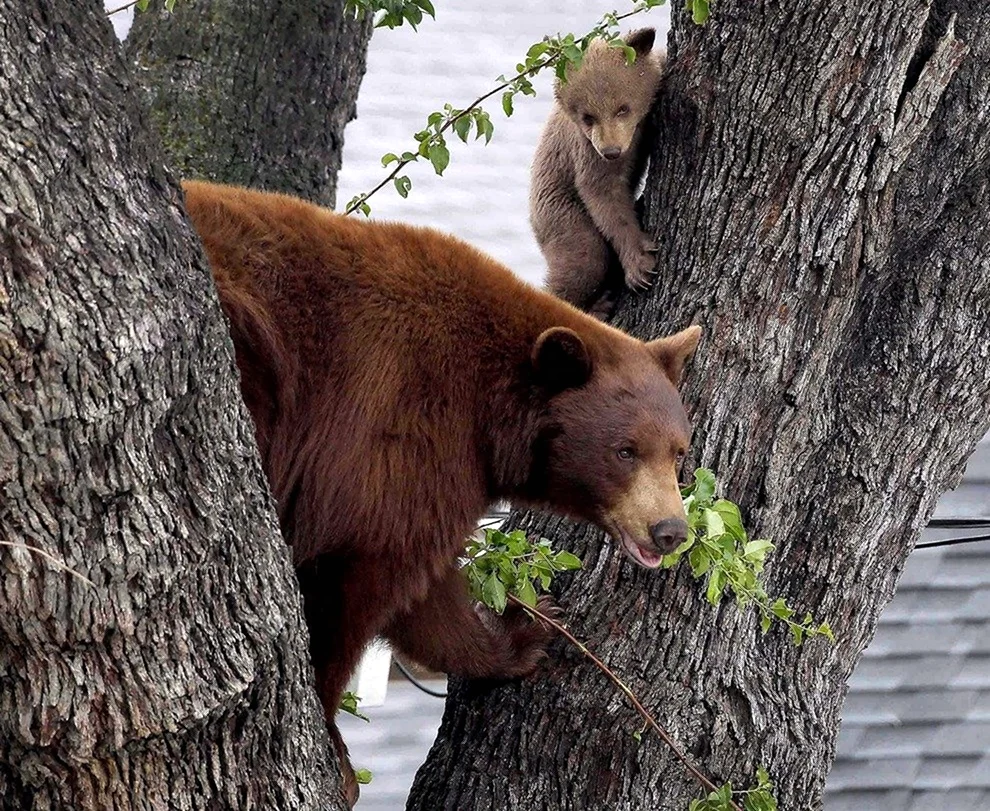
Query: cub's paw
639	266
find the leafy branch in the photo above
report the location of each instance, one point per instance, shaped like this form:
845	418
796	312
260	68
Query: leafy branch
559	52
503	565
507	568
718	547
391	13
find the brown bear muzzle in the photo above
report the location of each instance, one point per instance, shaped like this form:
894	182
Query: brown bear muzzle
668	534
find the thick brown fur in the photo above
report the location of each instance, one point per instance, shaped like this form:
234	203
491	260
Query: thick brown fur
585	172
401	381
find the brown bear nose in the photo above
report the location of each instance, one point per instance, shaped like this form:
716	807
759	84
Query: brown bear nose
668	534
611	153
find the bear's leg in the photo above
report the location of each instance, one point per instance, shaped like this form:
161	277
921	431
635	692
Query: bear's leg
449	632
579	260
342	617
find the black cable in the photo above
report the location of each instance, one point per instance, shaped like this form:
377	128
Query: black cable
416	682
952	541
956	523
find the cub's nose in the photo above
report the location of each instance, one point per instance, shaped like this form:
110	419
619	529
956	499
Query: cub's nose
668	534
610	153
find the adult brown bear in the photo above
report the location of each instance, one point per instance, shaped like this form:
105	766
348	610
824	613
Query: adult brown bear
401	381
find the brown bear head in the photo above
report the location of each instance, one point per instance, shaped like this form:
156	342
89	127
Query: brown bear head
614	435
606	97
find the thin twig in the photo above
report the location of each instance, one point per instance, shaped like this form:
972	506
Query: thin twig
401	164
449	123
48	556
560	629
123	8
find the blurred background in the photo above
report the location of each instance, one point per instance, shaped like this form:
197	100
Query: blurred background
916	723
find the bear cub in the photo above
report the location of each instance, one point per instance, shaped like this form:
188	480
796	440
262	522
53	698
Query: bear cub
587	166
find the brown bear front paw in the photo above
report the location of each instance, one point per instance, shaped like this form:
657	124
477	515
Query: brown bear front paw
639	266
529	635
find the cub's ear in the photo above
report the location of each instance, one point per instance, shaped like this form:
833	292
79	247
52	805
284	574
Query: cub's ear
641	40
561	359
673	352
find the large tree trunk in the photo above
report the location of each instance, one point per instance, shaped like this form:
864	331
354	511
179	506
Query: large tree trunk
254	92
179	677
820	192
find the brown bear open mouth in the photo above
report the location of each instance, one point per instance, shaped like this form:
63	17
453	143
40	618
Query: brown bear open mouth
639	554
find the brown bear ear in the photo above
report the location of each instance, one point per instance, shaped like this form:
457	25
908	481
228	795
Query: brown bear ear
641	40
673	352
561	359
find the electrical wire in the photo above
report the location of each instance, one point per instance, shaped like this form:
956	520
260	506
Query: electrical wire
416	682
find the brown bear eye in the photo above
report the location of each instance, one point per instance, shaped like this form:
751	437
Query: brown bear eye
626	454
623	110
588	119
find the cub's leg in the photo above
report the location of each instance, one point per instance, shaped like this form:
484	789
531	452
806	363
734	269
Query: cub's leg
451	633
578	258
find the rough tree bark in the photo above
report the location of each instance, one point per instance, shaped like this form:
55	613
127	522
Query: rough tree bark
820	191
179	677
253	92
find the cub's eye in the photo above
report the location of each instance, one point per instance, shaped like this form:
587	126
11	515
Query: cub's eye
626	454
588	119
623	110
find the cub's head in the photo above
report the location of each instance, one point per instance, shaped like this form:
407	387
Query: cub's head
614	436
608	98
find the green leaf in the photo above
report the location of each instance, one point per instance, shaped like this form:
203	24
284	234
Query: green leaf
757	550
765	623
714	524
700	12
427	6
700	561
493	594
402	185
780	609
730	516
507	102
439	157
565	561
704	486
143	5
389	158
362	776
536	51
462	126
797	634
349	704
527	593
716	585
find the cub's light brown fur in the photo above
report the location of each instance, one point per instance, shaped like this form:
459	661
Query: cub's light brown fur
585	171
400	381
